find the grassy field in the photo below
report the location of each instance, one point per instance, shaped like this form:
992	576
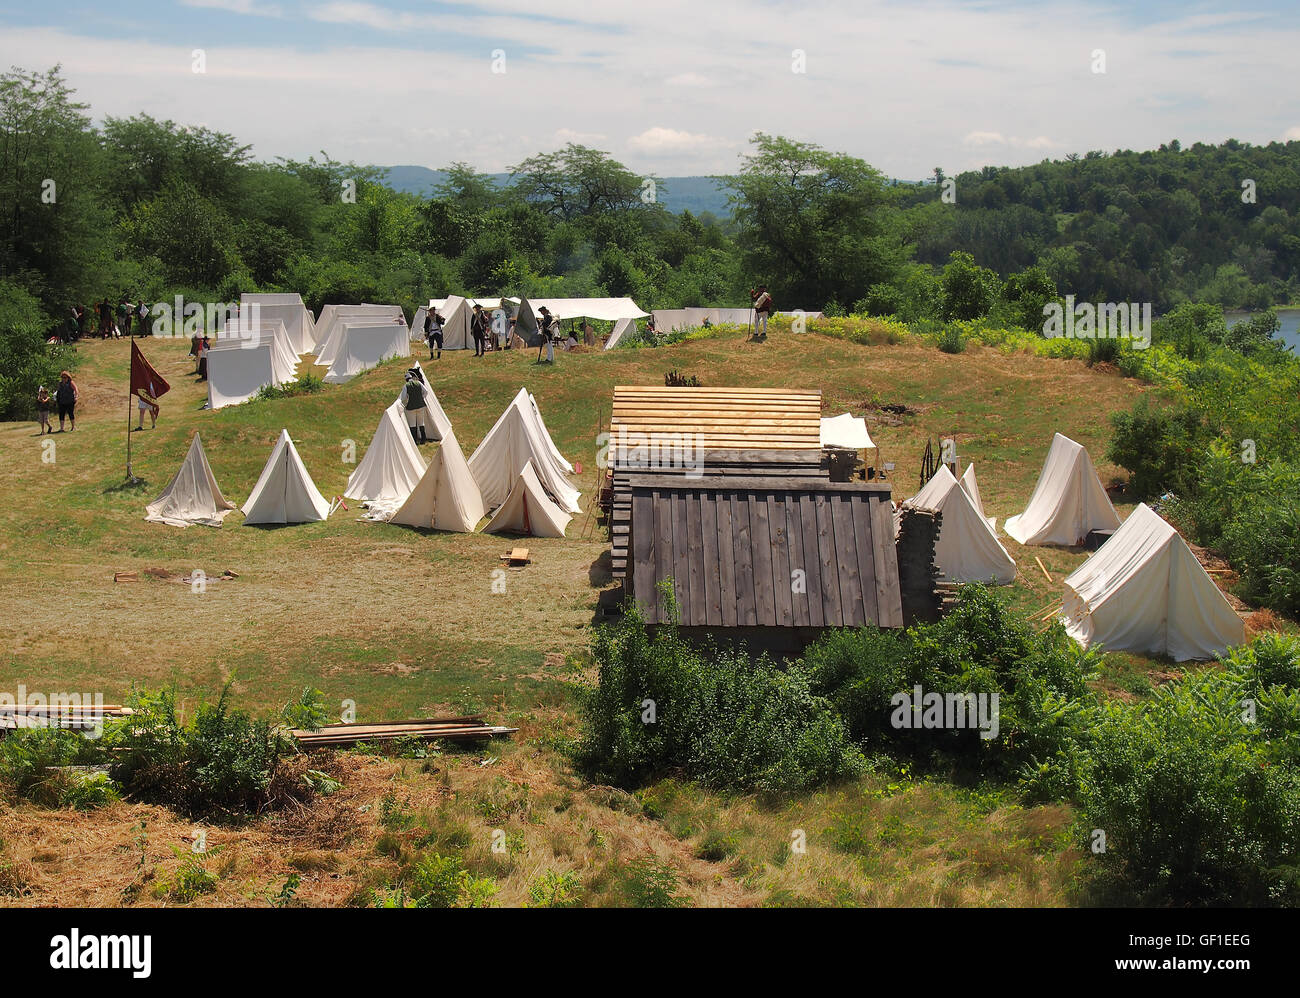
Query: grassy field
405	623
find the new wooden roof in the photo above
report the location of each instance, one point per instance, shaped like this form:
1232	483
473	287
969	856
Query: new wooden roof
722	418
765	552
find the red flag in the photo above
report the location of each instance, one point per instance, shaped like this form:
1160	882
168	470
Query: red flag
146	383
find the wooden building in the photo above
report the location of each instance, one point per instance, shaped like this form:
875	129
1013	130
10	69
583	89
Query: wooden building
740	513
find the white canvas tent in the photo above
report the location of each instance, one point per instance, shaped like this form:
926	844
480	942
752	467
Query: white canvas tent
605	309
335	317
518	438
236	371
436	424
284	358
967	549
392	465
845	431
446	497
455	324
528	509
1144	591
286	308
1068	500
973	490
363	347
417	323
192	496
285	492
621	328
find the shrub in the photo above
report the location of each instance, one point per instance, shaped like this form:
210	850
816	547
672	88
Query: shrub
221	764
304	384
1199	803
648	883
443	882
979	646
555	890
1162	449
31	761
951	340
719	716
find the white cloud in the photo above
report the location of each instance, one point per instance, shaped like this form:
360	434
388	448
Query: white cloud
1291	134
253	7
956	85
671	141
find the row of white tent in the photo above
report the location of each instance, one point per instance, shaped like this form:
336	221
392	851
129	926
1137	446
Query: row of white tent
456	312
252	353
1143	590
517	472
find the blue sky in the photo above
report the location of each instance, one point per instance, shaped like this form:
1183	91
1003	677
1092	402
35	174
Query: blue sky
679	86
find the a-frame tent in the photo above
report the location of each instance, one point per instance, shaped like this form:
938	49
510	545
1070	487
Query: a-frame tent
433	417
528	510
392	465
518	437
972	488
285	492
192	496
446	497
967	549
1145	591
622	327
456	314
1068	500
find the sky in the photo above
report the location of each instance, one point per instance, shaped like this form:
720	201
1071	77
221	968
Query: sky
678	87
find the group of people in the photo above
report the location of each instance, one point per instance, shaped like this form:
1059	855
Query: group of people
64	396
110	320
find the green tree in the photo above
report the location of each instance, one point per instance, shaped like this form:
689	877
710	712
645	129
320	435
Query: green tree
969	290
815	226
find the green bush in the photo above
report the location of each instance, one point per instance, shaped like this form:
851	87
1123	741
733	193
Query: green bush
443	882
555	890
951	340
304	384
720	717
979	646
649	883
26	361
221	763
32	761
1162	449
1198	799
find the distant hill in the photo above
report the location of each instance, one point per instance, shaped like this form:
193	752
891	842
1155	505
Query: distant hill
678	194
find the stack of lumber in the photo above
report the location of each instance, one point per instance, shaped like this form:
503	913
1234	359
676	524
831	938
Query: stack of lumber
465	728
77	717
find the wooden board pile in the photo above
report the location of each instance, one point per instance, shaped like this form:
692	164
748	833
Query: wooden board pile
75	717
467	728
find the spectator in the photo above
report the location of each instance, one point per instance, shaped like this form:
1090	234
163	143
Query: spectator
66	395
205	345
43	409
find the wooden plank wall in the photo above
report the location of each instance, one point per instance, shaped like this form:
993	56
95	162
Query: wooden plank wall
733	547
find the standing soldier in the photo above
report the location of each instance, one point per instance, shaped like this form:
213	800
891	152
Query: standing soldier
762	309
